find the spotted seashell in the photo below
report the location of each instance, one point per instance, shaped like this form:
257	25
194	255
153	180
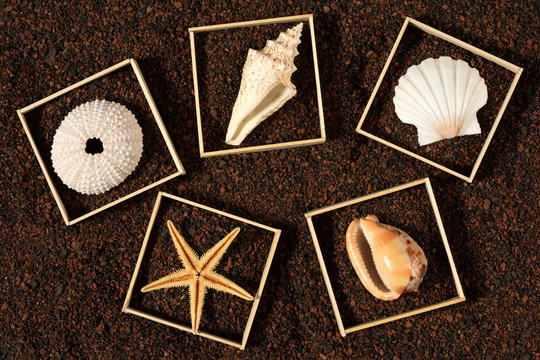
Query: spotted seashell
387	260
96	147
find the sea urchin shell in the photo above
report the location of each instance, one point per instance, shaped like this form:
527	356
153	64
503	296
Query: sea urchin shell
97	145
387	260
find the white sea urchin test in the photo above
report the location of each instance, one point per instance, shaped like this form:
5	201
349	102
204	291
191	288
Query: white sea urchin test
96	147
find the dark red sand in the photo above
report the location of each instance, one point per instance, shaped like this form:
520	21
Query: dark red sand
63	288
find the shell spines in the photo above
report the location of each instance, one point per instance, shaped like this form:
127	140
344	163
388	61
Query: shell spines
266	84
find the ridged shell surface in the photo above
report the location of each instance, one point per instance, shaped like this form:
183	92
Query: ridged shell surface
386	259
266	84
122	143
441	97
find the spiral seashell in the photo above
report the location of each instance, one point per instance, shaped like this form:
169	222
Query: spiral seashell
97	145
387	260
440	97
266	84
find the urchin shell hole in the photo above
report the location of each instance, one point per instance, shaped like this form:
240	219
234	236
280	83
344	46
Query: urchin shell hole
94	146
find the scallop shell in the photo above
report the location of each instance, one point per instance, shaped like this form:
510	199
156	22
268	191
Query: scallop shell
266	84
386	259
91	171
441	97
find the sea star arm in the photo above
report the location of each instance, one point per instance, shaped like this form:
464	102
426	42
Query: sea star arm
187	254
197	292
221	283
179	278
211	258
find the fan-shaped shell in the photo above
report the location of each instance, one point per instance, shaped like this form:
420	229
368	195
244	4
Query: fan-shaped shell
386	259
440	97
121	138
266	84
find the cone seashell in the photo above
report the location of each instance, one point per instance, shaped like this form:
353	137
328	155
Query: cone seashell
387	260
266	84
440	97
97	145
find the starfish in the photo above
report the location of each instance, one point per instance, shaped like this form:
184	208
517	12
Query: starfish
198	274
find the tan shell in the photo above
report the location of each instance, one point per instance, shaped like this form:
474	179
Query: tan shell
266	84
386	259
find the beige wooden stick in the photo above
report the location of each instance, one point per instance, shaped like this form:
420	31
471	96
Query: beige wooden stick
193	203
455	275
365	198
404	315
55	193
157	116
183	327
196	92
414	155
383	73
326	277
143	250
428	29
250	23
257	299
259	148
74	86
495	124
117	201
317	80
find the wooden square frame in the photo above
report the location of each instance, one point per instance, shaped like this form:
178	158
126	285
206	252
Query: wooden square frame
460	295
276	146
241	345
439	34
155	113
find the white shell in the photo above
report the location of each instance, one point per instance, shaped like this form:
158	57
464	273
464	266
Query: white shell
120	135
266	84
440	97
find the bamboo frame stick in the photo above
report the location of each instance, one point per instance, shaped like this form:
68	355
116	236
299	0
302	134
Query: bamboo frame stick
148	96
383	73
143	250
183	327
156	114
441	35
326	277
245	335
74	86
261	148
365	198
251	23
444	239
421	310
317	78
261	288
55	193
460	294
258	148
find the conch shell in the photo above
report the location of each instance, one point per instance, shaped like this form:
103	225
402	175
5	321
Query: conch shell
441	97
387	260
266	84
